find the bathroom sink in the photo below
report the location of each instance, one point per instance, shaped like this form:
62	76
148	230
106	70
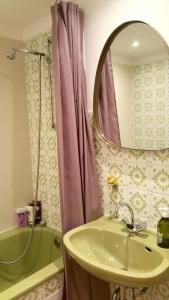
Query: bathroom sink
106	250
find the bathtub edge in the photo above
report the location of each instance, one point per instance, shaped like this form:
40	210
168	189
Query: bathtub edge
34	280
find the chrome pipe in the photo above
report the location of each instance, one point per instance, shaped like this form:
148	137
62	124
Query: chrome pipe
11	54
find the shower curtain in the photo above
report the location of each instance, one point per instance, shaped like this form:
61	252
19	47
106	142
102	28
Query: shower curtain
108	118
77	169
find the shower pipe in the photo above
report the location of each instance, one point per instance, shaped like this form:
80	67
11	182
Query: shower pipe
53	124
11	54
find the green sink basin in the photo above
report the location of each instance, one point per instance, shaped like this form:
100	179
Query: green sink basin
105	250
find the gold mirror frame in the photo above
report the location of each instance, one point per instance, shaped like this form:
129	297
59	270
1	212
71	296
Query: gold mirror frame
98	77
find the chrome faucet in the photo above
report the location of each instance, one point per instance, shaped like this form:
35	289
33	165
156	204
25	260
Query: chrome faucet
121	204
131	227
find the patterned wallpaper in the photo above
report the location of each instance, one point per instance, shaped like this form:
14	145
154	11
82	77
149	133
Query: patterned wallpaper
150	102
48	183
49	180
143	176
143	182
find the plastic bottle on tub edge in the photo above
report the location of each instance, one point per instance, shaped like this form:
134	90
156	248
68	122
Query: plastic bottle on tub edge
38	215
29	210
163	228
21	217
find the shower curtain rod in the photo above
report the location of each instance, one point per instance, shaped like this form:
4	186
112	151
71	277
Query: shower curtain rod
72	1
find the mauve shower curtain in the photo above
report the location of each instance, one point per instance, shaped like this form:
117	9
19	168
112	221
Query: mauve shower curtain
77	170
108	118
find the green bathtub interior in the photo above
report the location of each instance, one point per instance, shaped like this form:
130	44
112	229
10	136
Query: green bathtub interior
42	252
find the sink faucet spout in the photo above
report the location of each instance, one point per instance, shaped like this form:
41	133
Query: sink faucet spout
121	204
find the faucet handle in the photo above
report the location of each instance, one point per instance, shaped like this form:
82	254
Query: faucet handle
43	223
142	225
133	228
137	227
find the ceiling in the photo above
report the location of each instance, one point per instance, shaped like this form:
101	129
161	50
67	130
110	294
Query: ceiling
21	19
150	42
23	13
17	16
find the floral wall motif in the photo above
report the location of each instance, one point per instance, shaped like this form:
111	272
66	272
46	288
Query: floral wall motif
48	179
143	182
150	102
143	176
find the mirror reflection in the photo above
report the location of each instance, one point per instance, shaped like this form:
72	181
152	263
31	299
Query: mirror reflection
133	92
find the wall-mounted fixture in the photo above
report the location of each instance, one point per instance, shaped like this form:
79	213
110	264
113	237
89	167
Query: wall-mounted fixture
131	96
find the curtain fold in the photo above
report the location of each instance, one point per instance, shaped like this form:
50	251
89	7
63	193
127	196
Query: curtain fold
77	168
108	118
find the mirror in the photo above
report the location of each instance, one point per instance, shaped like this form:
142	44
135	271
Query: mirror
131	97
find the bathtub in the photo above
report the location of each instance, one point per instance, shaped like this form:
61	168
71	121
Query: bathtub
43	261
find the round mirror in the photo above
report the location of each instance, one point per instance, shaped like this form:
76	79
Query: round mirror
131	97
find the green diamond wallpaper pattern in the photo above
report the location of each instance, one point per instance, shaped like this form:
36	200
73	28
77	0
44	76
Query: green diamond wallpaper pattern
143	176
150	96
48	179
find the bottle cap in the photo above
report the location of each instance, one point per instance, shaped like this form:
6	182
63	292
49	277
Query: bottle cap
29	208
164	211
20	210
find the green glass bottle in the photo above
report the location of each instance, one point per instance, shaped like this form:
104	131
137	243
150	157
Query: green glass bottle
163	229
